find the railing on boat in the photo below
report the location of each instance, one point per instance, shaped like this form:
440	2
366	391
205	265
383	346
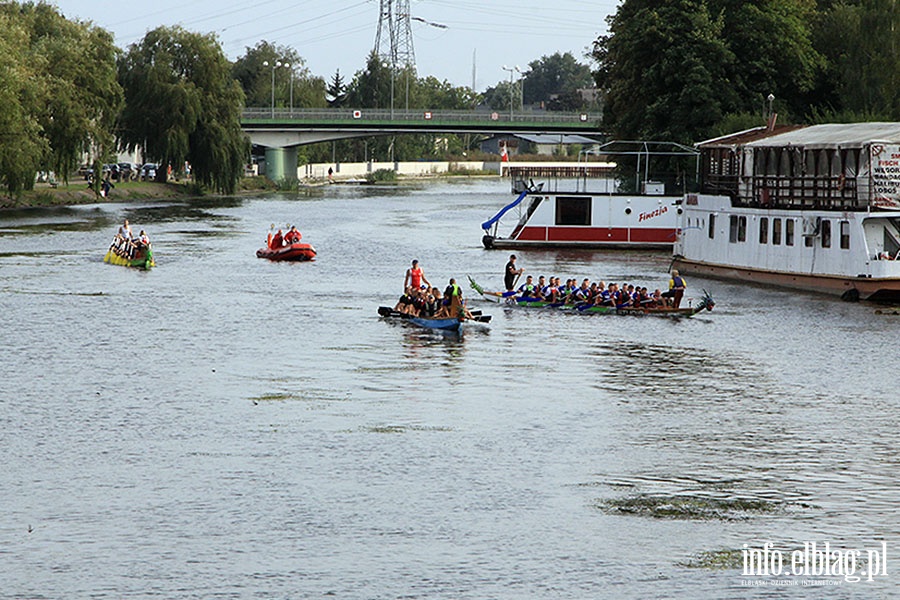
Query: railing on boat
767	191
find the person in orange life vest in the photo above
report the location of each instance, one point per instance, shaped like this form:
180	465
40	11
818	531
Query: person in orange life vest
293	236
277	241
415	276
677	286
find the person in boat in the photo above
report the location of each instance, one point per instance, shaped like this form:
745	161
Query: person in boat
602	298
277	240
453	305
550	290
511	273
527	289
415	276
677	285
432	303
540	287
292	236
583	293
143	239
405	304
125	231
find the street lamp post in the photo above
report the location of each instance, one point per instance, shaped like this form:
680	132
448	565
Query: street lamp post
277	64
511	70
292	90
385	65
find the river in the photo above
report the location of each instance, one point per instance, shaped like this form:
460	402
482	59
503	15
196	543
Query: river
226	427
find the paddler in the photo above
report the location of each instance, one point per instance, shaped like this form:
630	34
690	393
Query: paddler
511	273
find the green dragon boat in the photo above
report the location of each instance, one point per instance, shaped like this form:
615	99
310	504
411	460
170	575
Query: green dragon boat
511	299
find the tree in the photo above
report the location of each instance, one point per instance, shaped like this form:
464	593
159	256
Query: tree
371	87
860	42
182	104
22	145
336	92
81	91
771	43
664	70
256	78
555	76
58	92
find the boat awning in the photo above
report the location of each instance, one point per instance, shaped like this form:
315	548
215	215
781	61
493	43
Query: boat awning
833	135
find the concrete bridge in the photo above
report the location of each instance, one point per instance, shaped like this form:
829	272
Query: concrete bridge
281	131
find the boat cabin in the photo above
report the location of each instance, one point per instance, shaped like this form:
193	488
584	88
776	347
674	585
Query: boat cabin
838	166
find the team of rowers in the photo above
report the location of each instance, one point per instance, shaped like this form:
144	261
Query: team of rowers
126	244
421	299
588	293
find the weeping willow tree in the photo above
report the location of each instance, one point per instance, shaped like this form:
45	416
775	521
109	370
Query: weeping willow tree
182	104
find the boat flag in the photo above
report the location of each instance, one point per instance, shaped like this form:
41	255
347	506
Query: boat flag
504	155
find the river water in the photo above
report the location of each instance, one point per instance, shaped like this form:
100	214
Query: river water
226	427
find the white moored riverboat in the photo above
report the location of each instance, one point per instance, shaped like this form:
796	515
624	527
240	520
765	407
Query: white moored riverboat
585	209
814	208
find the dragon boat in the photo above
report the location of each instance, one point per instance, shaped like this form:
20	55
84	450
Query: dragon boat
512	299
450	325
126	253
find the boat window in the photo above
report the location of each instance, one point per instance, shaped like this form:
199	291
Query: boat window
712	227
826	233
573	210
845	235
789	232
742	229
732	229
776	232
764	230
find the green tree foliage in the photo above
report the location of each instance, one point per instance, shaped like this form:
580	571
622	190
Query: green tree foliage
22	144
58	92
83	96
860	41
664	69
290	74
674	69
555	76
371	87
771	43
336	92
182	104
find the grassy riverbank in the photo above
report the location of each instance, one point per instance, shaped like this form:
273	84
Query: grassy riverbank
77	192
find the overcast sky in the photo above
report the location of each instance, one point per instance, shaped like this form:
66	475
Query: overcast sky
339	34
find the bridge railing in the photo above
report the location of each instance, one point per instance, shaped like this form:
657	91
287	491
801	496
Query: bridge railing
417	115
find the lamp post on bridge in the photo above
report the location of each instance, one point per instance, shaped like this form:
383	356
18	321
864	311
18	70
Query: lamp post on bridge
274	66
511	70
391	65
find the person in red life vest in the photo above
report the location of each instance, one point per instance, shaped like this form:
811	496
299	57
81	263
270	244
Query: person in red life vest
415	276
277	241
293	236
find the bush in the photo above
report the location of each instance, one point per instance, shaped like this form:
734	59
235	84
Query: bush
381	175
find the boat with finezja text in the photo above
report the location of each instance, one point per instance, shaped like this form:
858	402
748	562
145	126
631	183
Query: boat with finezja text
585	206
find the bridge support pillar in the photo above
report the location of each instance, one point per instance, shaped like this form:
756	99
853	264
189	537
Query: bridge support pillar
281	164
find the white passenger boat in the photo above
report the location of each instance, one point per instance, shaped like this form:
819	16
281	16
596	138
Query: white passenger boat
814	208
591	212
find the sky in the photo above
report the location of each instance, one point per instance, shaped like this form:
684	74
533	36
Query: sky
339	34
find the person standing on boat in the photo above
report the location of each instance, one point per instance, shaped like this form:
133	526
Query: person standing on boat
125	230
511	273
677	286
415	276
